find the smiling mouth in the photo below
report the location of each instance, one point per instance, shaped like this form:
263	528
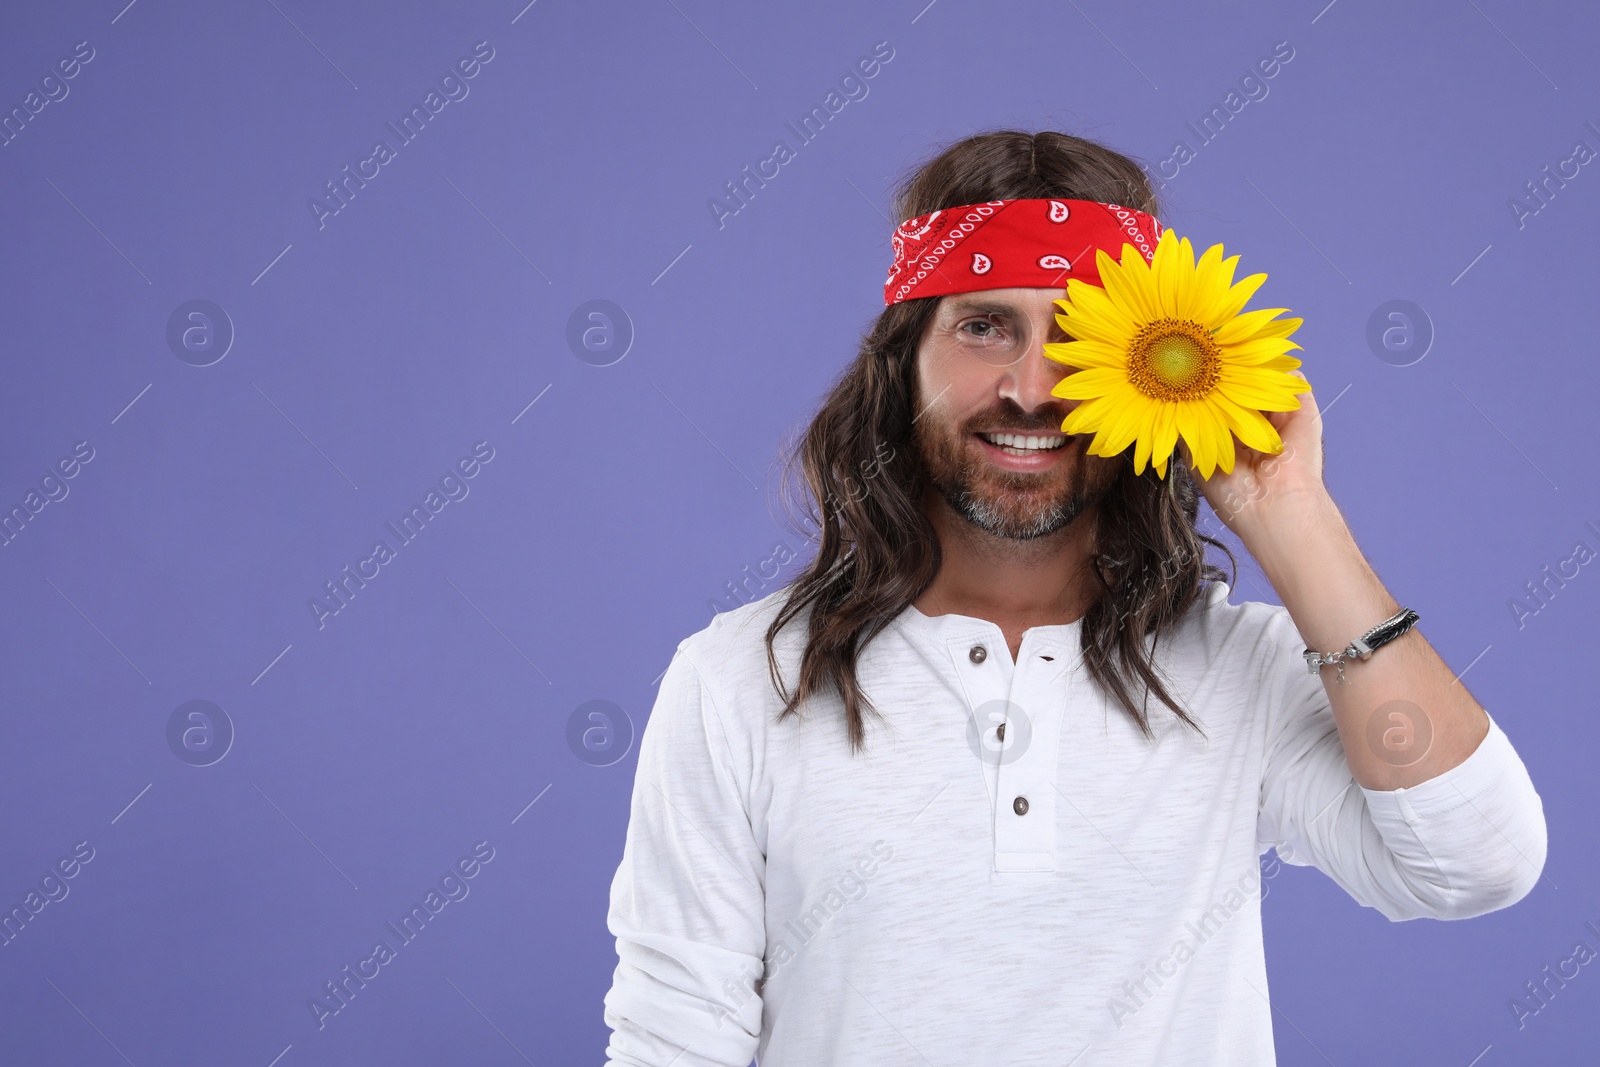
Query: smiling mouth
1017	444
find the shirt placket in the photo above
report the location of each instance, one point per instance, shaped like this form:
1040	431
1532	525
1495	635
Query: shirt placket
1019	710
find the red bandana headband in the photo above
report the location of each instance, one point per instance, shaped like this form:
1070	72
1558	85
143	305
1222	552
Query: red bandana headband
1012	243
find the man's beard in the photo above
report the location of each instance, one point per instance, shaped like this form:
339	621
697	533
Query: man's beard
1013	505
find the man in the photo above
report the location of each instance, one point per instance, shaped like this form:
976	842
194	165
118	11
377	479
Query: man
1021	858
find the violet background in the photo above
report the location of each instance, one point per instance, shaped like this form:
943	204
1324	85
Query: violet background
432	312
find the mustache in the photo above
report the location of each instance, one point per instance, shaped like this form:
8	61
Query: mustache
993	426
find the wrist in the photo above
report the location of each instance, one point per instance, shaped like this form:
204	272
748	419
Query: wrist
1284	520
1312	560
1301	543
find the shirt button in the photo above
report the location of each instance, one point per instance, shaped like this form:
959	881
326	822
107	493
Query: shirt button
1020	805
978	654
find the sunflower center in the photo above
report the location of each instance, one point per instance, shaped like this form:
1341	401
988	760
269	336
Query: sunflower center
1173	359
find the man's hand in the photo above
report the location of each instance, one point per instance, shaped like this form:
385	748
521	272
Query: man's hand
1261	481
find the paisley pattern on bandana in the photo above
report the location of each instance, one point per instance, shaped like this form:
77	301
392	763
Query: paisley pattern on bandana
1035	243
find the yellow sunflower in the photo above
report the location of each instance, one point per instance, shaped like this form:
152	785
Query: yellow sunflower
1167	354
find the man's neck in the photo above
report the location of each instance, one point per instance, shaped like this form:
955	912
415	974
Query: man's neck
1016	584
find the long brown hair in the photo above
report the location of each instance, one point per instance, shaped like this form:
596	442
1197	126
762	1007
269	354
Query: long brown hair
877	549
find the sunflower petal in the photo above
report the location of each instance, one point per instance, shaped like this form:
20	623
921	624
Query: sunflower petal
1225	270
1186	280
1105	440
1211	277
1132	259
1258	388
1187	259
1252	427
1183	421
1143	275
1089	303
1244	327
1085	354
1223	439
1233	301
1088	416
1283	363
1088	384
1166	276
1089	320
1122	422
1142	441
1198	431
1279	327
1124	287
1255	352
1165	435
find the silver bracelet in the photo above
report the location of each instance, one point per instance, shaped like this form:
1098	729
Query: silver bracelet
1363	646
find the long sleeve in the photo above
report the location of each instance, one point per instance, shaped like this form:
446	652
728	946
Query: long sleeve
688	899
1468	841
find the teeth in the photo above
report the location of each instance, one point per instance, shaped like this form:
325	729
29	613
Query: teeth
1044	443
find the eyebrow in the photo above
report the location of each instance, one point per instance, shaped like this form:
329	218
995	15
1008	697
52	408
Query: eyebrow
981	307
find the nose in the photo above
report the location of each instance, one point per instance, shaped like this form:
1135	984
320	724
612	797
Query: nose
1028	382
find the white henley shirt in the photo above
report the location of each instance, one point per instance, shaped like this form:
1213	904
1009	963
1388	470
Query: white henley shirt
1064	891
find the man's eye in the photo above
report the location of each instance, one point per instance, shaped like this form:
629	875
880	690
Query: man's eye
990	329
